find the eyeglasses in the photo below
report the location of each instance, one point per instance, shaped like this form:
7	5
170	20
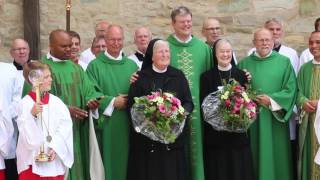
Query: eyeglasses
115	40
19	49
212	29
263	40
100	46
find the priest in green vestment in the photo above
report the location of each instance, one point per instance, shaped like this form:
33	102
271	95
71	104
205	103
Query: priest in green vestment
274	80
308	97
111	72
192	57
71	84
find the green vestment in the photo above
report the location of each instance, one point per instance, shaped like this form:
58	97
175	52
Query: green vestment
71	84
193	58
112	77
308	89
269	134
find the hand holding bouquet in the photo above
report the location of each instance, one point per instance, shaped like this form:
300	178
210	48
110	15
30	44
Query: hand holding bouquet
158	116
230	109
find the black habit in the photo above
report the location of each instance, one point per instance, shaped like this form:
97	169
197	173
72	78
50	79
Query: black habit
227	156
148	159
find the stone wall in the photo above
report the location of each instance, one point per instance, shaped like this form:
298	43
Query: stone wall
239	19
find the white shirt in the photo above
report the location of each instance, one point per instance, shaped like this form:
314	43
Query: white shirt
87	56
10	94
135	59
317	132
305	57
57	121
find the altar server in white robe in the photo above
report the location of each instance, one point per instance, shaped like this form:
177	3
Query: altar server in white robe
9	97
54	132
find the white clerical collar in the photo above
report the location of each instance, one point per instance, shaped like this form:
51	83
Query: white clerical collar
179	40
113	58
140	52
258	55
158	70
315	62
54	59
221	68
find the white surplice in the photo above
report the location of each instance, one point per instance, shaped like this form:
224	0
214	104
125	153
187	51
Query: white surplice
85	58
305	56
9	97
317	131
56	120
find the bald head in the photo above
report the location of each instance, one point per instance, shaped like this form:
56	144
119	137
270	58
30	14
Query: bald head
101	28
142	37
263	42
211	30
20	51
60	44
114	40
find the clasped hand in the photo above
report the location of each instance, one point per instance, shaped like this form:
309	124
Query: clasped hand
121	101
263	100
310	106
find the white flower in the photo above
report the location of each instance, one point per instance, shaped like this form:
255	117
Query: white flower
181	110
245	97
158	100
225	95
169	95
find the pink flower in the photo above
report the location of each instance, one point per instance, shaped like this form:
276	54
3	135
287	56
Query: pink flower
252	115
173	108
175	101
227	102
238	88
156	94
162	108
150	97
239	100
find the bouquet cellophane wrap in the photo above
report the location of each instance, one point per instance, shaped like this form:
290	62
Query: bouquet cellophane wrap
212	114
148	128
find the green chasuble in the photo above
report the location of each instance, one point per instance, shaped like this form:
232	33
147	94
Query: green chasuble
269	134
71	84
308	89
113	78
193	58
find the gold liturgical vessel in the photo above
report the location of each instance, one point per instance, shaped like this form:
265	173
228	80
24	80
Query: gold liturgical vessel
35	77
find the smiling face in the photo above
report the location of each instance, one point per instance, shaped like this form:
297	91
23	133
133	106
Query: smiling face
314	45
223	53
182	26
46	81
75	48
263	42
161	55
114	40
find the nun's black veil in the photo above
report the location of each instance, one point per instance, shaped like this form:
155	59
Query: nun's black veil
214	57
147	61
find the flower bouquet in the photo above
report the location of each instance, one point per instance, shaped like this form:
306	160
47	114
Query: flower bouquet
231	108
158	116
